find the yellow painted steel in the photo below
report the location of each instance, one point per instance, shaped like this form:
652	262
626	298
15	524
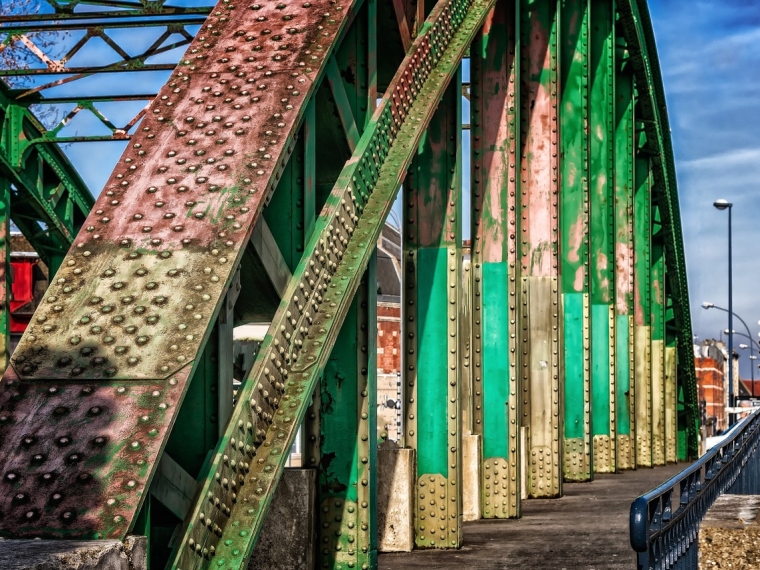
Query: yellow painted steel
643	401
626	446
605	452
671	405
658	402
540	365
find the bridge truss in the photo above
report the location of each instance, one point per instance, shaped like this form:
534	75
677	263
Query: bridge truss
254	188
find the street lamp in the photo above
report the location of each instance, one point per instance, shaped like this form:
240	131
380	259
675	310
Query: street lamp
729	333
725	205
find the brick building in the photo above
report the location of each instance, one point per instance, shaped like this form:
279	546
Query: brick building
712	384
389	333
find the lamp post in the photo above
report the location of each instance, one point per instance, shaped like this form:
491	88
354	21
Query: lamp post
725	205
752	344
730	334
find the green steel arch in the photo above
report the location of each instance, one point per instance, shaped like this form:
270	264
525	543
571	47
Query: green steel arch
256	188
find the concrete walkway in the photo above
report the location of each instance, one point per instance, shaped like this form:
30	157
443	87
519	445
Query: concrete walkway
584	530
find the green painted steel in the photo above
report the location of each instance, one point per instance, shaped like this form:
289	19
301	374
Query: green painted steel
642	310
432	253
47	187
635	18
624	258
373	189
538	245
432	360
574	219
495	361
657	303
493	272
580	337
602	254
347	504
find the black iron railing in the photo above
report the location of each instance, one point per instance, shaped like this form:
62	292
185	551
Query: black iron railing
665	521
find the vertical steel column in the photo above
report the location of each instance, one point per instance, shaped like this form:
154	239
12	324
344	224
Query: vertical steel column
348	429
574	221
5	268
642	306
494	313
671	389
624	261
539	298
348	392
657	297
432	280
602	200
310	425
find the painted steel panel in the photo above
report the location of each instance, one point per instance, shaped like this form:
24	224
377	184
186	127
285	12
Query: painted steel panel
493	271
574	221
539	301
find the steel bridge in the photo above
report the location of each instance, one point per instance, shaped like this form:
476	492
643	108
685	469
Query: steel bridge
253	188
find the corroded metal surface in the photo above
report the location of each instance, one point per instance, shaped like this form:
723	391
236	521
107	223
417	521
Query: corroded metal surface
575	227
538	208
493	270
139	290
232	503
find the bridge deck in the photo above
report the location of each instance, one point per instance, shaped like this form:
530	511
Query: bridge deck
586	529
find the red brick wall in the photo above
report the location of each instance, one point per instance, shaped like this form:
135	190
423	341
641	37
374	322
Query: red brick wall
711	389
388	338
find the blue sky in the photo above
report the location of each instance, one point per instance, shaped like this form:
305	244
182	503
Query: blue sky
711	70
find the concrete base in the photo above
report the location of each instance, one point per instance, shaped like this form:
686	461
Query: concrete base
471	507
729	536
74	555
396	472
288	537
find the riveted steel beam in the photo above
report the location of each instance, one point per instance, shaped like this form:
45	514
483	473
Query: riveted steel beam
347	505
432	285
624	260
50	200
245	470
574	219
538	209
143	284
602	203
657	300
642	330
346	396
493	273
636	21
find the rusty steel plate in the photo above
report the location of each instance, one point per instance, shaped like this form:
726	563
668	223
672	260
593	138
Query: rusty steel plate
139	290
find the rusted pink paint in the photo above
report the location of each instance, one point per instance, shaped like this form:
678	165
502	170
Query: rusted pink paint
496	163
539	161
602	267
623	277
638	309
56	421
580	279
657	294
183	198
577	233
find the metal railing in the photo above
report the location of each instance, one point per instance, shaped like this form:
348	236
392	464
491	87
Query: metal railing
665	522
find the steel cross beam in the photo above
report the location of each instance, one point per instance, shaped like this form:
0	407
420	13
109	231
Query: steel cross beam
66	38
49	200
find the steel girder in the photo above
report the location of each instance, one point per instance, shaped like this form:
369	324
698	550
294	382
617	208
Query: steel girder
570	171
